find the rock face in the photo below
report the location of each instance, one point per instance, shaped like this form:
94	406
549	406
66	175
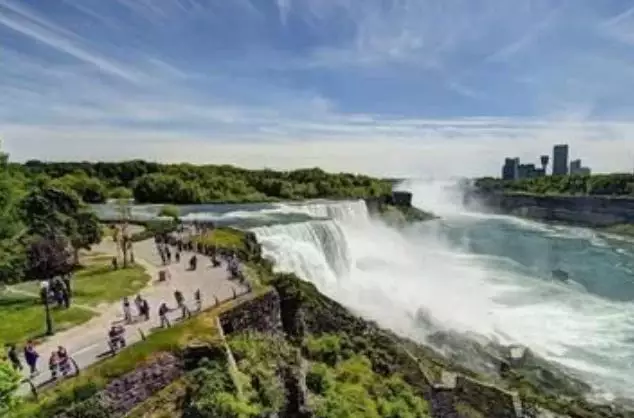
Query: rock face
591	211
261	314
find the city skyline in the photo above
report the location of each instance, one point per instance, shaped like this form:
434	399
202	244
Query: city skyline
560	164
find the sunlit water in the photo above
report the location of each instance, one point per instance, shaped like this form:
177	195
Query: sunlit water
470	272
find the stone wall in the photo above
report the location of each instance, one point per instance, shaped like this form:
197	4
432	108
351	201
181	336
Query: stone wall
497	402
591	211
121	395
261	314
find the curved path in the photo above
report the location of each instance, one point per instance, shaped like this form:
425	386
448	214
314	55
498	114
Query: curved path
87	343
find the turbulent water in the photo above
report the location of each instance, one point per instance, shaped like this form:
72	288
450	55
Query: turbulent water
474	273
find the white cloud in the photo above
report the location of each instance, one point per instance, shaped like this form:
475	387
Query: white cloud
35	27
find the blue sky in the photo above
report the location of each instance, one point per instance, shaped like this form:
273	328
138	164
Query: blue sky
401	87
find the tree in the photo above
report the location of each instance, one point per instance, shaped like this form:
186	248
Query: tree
11	226
121	236
9	384
170	211
51	211
48	256
87	232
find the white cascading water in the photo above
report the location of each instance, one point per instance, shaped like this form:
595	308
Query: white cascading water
392	276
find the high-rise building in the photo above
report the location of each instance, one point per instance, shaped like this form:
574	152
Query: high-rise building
577	168
544	159
560	160
510	169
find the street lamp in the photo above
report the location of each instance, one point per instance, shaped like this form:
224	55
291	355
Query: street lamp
44	287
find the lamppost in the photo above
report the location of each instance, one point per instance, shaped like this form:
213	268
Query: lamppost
44	287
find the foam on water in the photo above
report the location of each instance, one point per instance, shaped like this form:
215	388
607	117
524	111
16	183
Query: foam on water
466	279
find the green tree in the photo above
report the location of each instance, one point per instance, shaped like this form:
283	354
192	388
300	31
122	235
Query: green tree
9	384
170	211
50	211
87	232
11	226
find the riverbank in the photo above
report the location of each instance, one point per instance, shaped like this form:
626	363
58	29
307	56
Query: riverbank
605	213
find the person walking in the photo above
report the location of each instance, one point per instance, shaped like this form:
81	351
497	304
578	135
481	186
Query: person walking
163	310
127	314
180	302
145	309
12	354
199	300
138	302
31	356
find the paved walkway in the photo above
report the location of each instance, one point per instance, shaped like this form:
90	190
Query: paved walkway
87	343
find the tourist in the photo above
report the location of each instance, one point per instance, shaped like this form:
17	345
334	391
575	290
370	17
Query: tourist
63	360
145	309
12	354
127	314
163	310
66	279
31	356
138	302
53	364
198	299
116	337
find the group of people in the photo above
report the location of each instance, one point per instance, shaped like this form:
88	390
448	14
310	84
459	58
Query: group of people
142	307
59	361
59	290
181	305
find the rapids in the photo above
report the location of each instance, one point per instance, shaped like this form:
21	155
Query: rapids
473	273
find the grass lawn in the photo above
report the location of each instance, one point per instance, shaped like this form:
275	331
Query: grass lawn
98	283
224	238
22	315
23	318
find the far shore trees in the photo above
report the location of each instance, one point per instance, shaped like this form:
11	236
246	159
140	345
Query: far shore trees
150	182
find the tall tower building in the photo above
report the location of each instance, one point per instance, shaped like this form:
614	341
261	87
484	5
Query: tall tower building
544	159
560	160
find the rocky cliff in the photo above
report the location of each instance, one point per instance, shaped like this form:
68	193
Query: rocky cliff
590	211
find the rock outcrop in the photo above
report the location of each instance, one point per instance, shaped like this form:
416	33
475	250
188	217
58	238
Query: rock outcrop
590	211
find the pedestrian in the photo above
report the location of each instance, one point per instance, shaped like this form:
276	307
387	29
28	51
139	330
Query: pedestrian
198	299
145	307
115	263
53	365
67	283
138	302
127	314
163	310
12	354
31	356
63	360
168	254
177	256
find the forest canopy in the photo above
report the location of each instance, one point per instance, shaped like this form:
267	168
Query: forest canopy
149	182
618	184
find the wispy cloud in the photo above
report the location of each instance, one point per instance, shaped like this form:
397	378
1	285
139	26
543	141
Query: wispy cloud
343	84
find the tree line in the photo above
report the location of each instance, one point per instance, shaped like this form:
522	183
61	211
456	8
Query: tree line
618	184
42	227
149	182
